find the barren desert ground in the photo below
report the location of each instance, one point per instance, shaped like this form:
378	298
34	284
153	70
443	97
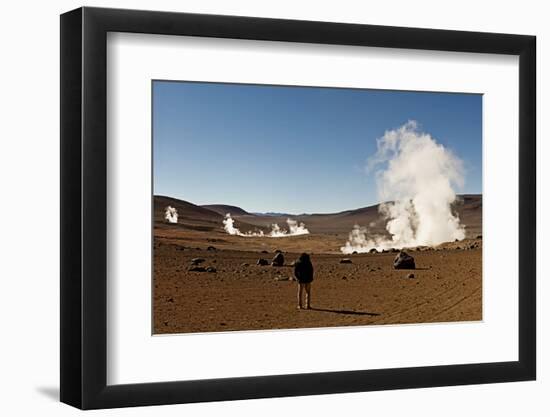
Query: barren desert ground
238	294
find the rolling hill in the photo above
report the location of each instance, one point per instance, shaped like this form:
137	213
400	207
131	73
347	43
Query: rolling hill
223	209
210	217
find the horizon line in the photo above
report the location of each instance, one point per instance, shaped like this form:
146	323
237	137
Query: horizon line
283	213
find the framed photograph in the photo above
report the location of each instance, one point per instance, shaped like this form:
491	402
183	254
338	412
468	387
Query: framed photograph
258	208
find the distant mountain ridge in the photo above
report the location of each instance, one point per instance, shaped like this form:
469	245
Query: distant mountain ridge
273	214
469	208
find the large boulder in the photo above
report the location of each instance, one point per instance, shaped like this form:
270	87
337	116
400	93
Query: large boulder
403	261
278	260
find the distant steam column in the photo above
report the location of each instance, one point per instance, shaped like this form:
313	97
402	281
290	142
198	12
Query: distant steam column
170	215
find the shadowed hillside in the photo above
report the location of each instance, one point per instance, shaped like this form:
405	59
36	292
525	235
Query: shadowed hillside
223	209
210	217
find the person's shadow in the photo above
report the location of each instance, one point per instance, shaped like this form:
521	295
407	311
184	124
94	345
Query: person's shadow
349	312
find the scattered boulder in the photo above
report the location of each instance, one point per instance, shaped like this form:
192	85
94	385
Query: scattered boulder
262	262
197	261
354	252
264	251
211	248
197	269
345	261
277	251
211	269
410	276
479	237
373	250
245	265
403	261
278	260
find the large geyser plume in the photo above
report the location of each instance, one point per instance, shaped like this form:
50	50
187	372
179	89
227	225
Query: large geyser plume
294	229
170	215
416	177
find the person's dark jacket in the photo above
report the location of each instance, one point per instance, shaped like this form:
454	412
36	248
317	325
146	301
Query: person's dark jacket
303	269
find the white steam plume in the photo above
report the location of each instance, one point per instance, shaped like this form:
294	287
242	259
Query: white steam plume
418	180
228	225
294	229
170	214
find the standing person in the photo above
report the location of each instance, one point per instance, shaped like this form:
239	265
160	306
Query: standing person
303	271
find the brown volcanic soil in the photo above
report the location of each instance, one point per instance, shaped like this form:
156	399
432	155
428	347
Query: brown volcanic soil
447	284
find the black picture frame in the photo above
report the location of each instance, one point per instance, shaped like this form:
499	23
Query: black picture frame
84	207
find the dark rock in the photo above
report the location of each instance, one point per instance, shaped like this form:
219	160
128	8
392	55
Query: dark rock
479	237
345	261
278	260
410	276
277	251
262	262
403	261
170	300
245	265
354	252
197	269
196	261
373	250
211	269
211	248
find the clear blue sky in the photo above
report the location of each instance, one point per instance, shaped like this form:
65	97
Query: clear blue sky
294	149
